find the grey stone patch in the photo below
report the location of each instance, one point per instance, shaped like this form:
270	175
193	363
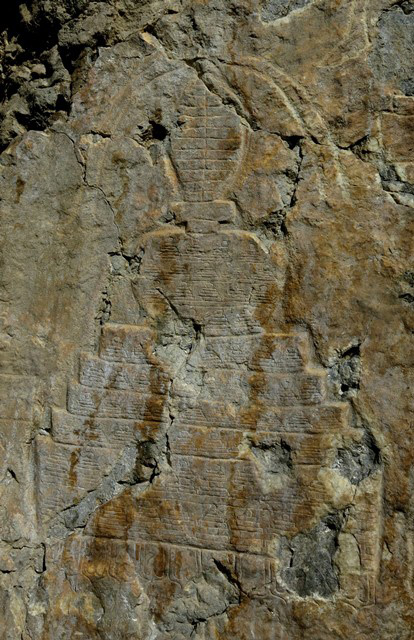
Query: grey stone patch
275	9
275	225
408	277
274	456
210	596
392	182
406	287
345	373
394	48
358	461
136	467
312	570
116	608
401	190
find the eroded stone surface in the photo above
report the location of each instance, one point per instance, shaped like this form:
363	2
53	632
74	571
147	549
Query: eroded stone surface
206	323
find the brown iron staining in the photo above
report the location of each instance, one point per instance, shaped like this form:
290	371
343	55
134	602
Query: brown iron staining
74	459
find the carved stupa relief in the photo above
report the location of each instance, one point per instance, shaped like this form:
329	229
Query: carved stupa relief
235	408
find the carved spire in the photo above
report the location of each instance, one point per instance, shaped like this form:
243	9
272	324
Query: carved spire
206	147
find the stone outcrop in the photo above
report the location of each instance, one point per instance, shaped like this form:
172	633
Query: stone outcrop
207	326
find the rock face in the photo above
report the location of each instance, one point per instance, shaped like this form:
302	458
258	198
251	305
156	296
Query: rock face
206	332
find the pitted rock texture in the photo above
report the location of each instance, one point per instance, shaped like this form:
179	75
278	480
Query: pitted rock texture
206	321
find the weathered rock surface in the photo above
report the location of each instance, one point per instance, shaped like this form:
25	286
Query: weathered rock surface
206	333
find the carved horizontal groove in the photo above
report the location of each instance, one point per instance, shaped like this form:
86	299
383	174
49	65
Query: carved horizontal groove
229	444
96	372
205	457
113	404
173	545
294	418
238	460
